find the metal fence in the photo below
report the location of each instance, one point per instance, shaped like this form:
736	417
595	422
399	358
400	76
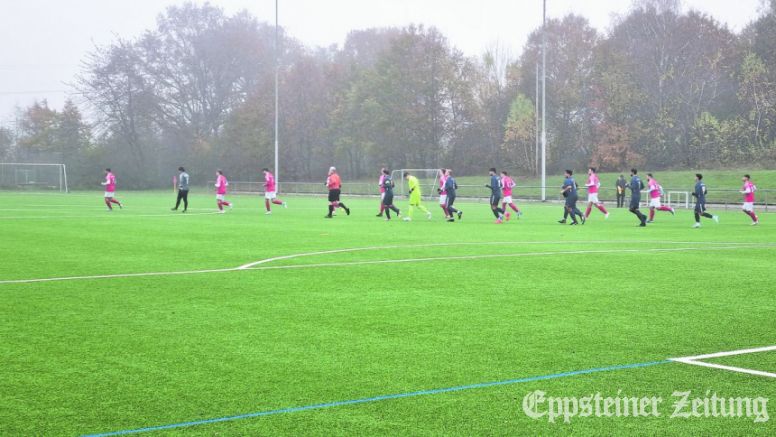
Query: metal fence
726	199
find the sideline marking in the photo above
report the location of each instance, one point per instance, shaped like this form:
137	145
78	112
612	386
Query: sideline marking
252	266
377	399
696	361
107	214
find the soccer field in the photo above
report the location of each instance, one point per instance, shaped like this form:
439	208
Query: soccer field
165	323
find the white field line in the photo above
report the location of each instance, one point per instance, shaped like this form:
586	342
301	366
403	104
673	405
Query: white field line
252	266
696	361
107	214
490	243
484	256
730	353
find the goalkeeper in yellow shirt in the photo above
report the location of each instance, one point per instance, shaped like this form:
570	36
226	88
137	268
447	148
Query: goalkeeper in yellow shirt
415	197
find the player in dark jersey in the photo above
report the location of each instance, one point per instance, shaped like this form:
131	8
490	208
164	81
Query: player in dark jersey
700	202
569	191
450	187
388	195
636	185
495	195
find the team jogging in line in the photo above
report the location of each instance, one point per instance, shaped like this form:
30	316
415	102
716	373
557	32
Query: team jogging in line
499	183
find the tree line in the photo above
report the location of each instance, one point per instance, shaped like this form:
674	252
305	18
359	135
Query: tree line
663	88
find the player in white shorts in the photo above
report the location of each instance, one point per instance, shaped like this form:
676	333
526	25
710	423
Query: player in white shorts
442	192
748	192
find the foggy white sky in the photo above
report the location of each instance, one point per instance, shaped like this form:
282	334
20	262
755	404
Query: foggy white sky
43	41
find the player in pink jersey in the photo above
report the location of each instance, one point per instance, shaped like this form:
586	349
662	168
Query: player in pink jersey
271	192
655	192
221	184
748	192
110	190
593	184
442	192
507	185
381	185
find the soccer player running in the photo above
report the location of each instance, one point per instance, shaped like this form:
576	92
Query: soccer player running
507	184
593	183
700	201
495	195
183	190
748	192
221	184
334	184
382	191
415	196
443	192
655	192
388	196
569	191
271	192
450	188
110	190
636	185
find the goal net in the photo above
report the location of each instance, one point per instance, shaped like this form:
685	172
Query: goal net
33	176
428	179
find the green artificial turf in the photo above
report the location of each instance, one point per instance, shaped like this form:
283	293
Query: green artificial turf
408	307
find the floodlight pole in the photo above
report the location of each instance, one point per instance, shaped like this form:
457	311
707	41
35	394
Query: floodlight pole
277	101
536	117
544	100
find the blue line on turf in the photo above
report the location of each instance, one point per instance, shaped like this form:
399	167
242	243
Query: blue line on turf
376	399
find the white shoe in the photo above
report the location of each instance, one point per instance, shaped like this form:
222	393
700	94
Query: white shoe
715	218
221	211
696	226
756	223
429	216
268	213
407	219
285	205
606	216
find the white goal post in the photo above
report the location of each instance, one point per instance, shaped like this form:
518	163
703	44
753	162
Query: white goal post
428	179
33	176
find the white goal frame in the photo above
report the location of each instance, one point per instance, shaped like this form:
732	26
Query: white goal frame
427	192
17	166
678	194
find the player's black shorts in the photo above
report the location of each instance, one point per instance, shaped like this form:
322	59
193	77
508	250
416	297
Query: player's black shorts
700	208
571	200
635	201
495	200
334	195
388	199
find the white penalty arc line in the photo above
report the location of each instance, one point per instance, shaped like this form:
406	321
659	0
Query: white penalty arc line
485	256
696	361
254	266
488	243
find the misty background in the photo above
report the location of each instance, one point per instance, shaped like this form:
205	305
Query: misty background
651	83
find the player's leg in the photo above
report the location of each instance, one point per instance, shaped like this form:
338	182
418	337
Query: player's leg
602	208
178	199
589	209
267	206
570	212
107	203
185	200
